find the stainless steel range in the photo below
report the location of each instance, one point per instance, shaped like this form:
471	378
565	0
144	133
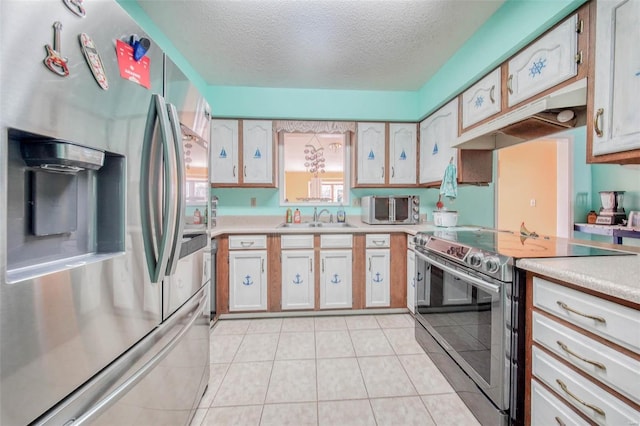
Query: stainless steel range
469	311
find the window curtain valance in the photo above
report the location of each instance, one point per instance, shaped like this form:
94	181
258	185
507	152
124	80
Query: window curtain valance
291	126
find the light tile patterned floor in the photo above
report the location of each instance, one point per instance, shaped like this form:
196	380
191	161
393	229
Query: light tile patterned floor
351	370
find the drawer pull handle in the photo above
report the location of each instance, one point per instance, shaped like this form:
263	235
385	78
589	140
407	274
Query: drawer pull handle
593	317
560	422
586	404
596	121
493	89
378	242
588	361
246	243
510	84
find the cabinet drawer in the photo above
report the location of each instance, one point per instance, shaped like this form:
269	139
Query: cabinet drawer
336	241
547	410
378	240
247	242
602	317
611	367
296	241
598	405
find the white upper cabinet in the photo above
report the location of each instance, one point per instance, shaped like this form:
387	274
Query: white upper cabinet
616	106
224	151
257	151
437	133
544	63
371	153
402	153
482	100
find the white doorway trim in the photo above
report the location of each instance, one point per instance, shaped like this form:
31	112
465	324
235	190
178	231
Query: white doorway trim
564	209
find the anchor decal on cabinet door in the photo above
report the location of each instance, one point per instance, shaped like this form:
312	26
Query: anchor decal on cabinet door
378	278
298	280
336	279
414	279
247	280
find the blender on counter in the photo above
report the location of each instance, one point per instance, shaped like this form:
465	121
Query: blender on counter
611	212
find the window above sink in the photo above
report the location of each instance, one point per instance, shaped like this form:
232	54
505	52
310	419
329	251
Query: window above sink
314	163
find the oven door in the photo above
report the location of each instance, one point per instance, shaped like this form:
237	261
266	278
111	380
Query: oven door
469	317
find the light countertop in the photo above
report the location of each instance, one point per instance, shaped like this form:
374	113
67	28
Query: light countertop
269	225
617	276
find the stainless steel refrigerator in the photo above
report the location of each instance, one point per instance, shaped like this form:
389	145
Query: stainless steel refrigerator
105	278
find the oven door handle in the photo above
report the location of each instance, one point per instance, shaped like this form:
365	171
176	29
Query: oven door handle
482	284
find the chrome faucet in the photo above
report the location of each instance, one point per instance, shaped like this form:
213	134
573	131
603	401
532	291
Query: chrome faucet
316	214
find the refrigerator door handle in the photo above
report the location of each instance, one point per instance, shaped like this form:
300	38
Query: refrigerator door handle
101	406
179	171
157	222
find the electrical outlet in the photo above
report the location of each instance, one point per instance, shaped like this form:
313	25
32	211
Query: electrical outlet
253	201
532	202
356	202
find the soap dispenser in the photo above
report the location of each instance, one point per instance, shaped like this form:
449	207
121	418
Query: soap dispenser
341	215
296	216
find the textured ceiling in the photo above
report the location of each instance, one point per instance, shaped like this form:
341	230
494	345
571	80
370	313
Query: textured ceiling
321	44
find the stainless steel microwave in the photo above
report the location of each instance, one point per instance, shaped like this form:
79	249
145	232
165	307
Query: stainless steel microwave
391	209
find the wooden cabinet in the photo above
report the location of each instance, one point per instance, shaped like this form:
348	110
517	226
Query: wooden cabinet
370	154
378	285
482	100
614	130
382	164
545	63
224	151
437	133
403	149
242	153
583	356
247	273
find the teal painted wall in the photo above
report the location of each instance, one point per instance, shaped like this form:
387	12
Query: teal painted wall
514	25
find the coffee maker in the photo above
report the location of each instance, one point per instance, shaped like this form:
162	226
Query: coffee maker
611	212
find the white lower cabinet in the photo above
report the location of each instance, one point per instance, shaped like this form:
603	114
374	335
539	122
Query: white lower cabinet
248	280
377	285
547	410
298	286
411	280
335	279
582	394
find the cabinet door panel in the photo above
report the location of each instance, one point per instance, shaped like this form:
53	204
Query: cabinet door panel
224	151
402	153
411	280
481	100
335	279
257	151
437	133
247	281
378	288
617	76
545	63
371	153
298	286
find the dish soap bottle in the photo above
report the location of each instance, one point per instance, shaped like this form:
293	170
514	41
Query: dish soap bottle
197	217
289	216
341	215
296	216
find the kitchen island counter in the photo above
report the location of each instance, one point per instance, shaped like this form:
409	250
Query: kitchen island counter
616	276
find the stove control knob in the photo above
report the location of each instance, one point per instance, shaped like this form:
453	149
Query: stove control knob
475	260
492	264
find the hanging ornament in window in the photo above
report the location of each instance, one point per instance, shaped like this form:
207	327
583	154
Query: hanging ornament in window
314	157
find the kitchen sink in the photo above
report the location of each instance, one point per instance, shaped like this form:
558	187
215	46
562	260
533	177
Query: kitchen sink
316	225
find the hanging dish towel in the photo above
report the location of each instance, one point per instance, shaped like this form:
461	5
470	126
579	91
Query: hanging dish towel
449	186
